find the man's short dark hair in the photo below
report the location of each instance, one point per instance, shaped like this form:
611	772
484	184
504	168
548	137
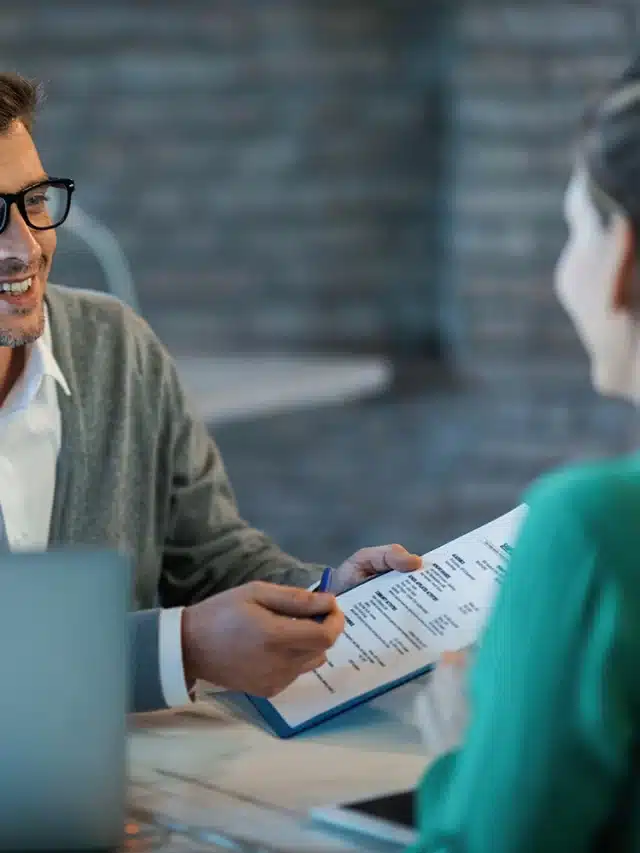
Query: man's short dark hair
19	100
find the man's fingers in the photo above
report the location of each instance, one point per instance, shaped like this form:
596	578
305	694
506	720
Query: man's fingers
305	635
284	679
333	625
385	557
314	663
401	560
290	601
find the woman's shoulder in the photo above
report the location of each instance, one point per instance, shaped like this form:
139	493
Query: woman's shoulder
591	481
602	498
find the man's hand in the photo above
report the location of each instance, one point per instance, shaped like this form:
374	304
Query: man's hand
259	637
371	561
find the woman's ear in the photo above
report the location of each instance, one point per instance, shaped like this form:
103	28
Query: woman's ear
625	286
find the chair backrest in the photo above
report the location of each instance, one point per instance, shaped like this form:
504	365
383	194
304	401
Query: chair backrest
105	249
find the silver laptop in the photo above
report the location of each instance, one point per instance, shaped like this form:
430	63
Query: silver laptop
63	700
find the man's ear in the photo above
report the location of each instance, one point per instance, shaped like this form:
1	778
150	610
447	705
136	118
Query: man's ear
625	286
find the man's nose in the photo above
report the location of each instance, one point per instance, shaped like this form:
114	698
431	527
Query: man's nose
17	241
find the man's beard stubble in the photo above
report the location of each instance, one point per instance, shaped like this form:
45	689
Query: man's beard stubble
20	338
16	338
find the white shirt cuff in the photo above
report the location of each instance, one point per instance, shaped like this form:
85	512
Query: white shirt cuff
172	680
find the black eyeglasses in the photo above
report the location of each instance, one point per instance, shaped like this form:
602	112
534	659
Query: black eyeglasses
43	206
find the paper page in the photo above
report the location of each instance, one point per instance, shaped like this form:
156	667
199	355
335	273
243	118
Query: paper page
400	623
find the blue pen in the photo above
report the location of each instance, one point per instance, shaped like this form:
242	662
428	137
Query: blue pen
325	581
323	586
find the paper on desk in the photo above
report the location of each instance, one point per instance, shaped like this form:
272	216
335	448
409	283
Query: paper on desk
397	624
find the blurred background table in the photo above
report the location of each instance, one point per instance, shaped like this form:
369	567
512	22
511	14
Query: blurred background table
228	388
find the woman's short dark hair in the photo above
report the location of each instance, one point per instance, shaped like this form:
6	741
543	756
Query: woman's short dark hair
611	145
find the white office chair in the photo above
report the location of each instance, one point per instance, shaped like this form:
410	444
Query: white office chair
104	247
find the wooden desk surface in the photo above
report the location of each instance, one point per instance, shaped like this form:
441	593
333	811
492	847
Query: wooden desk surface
216	765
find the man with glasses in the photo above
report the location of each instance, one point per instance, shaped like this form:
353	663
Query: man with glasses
98	446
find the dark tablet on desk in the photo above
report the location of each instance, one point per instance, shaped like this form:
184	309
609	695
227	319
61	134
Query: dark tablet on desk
390	817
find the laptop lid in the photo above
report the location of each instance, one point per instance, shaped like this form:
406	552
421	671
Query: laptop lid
63	705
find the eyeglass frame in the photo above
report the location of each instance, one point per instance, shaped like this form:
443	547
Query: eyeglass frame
19	197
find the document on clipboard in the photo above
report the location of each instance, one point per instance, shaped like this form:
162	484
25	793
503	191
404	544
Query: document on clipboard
397	626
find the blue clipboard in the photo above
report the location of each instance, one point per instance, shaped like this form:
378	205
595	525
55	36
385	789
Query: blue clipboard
280	726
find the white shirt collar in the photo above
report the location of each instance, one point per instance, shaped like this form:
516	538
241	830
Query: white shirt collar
49	365
40	362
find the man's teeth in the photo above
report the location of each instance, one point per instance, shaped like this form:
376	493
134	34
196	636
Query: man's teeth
15	286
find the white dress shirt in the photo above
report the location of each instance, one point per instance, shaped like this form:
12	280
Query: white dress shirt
30	438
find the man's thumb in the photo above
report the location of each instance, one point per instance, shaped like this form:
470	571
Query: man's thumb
291	601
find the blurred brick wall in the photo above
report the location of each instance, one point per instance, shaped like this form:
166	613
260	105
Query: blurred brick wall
334	193
431	466
266	165
521	77
287	172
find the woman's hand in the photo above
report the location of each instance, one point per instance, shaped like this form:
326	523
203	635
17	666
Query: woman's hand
460	659
441	708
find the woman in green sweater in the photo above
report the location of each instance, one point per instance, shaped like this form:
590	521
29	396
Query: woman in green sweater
549	758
